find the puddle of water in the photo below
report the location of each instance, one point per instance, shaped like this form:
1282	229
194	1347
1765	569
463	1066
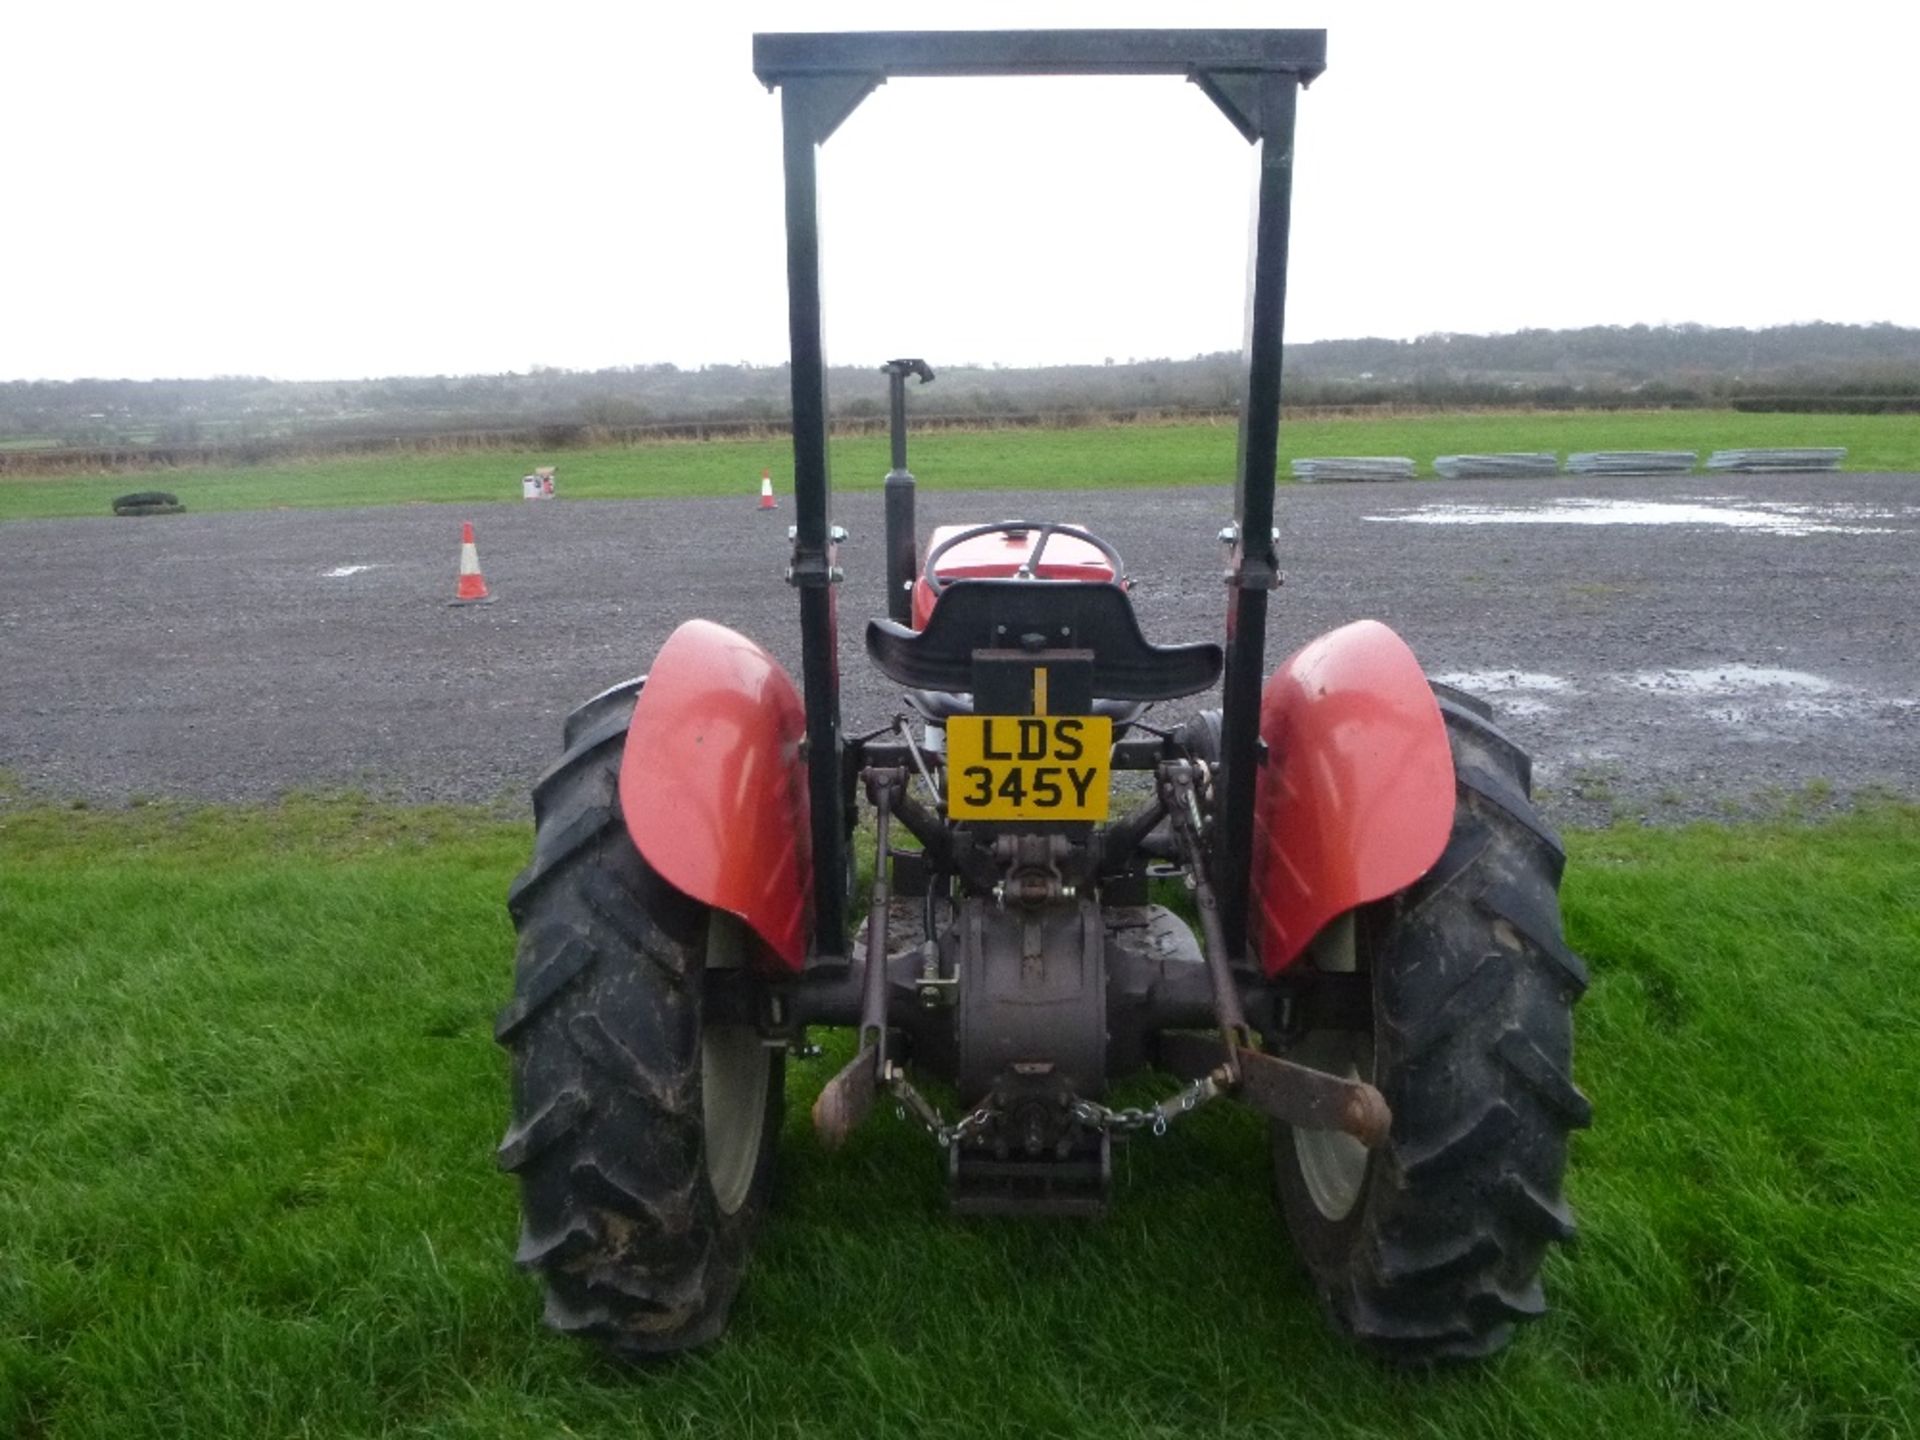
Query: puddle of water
1763	518
1752	698
1730	680
1788	710
340	572
1502	682
1521	705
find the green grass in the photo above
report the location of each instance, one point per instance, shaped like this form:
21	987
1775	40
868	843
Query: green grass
251	1099
975	460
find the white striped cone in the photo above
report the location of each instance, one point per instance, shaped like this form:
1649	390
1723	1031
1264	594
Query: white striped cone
472	589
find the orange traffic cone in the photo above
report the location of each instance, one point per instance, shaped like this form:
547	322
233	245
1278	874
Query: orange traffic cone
472	589
766	491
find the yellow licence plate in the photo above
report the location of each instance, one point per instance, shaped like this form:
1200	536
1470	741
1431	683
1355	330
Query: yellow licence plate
1028	767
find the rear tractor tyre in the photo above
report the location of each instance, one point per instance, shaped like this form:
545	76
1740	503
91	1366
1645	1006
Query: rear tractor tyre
1430	1247
643	1140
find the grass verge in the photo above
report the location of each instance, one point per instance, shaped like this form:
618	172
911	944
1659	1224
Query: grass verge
1133	455
252	1099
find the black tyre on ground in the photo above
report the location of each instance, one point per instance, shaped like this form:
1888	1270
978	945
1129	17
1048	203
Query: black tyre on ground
1430	1248
643	1140
148	502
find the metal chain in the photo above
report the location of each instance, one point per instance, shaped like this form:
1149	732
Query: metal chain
912	1102
1155	1118
1091	1113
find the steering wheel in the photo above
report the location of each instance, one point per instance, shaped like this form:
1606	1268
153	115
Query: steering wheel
1029	568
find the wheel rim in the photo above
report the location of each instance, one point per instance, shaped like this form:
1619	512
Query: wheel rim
1333	1165
734	1069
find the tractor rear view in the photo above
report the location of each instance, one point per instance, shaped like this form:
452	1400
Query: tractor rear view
1377	965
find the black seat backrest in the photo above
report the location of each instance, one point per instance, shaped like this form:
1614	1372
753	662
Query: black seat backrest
1040	615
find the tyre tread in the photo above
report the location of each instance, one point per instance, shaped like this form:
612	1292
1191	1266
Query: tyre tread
1473	990
1476	719
608	1142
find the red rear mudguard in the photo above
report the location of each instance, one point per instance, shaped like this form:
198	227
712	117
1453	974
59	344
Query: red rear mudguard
713	787
1356	799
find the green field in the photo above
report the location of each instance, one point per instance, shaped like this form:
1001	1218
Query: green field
988	459
251	1101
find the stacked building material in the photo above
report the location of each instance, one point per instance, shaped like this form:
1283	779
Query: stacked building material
1631	462
1353	467
1787	459
1514	464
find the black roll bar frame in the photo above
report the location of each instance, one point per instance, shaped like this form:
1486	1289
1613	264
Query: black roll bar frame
1254	77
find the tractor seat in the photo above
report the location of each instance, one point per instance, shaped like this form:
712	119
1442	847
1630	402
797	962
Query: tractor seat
975	615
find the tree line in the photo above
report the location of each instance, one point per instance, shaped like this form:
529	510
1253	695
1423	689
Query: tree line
1795	366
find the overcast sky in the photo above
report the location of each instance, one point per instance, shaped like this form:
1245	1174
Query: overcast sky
311	191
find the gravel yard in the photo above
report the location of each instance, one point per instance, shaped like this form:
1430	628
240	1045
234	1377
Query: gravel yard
1665	647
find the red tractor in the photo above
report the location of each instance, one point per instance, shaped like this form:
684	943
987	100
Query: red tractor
1379	967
